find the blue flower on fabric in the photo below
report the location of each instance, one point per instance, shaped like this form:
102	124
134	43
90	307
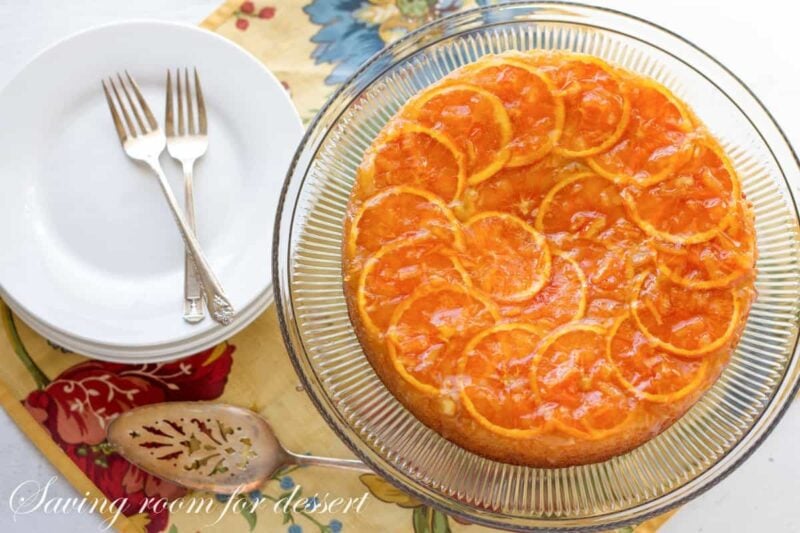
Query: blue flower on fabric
343	40
286	483
354	30
335	526
313	503
222	498
294	528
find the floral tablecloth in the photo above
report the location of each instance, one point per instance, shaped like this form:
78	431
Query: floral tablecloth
63	401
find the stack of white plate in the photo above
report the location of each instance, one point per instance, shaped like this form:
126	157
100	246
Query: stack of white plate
89	254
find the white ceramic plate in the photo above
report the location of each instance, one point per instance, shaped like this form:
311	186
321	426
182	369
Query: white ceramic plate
153	354
88	248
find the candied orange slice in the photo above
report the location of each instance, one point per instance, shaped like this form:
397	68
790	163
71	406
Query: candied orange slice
495	378
536	114
719	262
684	321
648	370
520	190
654	140
402	212
429	330
581	207
505	257
396	270
474	119
411	154
597	110
610	261
607	268
572	378
694	204
561	300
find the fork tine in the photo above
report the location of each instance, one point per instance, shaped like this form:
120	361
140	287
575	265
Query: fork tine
169	124
201	104
151	120
131	127
189	109
123	136
180	101
134	110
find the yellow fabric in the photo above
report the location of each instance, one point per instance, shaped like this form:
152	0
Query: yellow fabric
261	376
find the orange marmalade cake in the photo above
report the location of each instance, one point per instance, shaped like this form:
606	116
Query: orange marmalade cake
547	259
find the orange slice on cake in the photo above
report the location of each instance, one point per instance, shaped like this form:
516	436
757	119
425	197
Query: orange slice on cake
585	217
572	377
582	207
561	300
520	190
396	270
694	204
401	212
610	261
653	142
608	270
473	118
429	330
649	371
535	112
684	321
726	259
597	110
496	391
411	154
505	257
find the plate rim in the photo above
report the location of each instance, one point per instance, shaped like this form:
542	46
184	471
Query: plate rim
151	354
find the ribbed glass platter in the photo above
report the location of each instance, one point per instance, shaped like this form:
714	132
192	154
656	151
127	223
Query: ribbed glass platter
712	439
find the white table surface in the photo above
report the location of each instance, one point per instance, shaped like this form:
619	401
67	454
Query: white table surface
761	496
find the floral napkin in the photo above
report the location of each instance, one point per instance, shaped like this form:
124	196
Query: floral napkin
63	401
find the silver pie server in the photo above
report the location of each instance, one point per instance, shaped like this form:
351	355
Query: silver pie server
210	447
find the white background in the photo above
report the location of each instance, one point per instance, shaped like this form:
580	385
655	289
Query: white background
758	41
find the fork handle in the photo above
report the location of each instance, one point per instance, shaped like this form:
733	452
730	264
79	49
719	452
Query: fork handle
218	305
192	291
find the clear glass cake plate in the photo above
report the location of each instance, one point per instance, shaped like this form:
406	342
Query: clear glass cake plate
711	440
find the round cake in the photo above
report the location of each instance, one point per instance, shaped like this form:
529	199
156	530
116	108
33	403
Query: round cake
547	259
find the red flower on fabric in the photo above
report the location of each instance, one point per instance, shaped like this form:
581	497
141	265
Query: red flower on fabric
266	12
76	407
247	10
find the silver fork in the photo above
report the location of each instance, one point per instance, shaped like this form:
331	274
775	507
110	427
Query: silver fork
187	142
145	144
